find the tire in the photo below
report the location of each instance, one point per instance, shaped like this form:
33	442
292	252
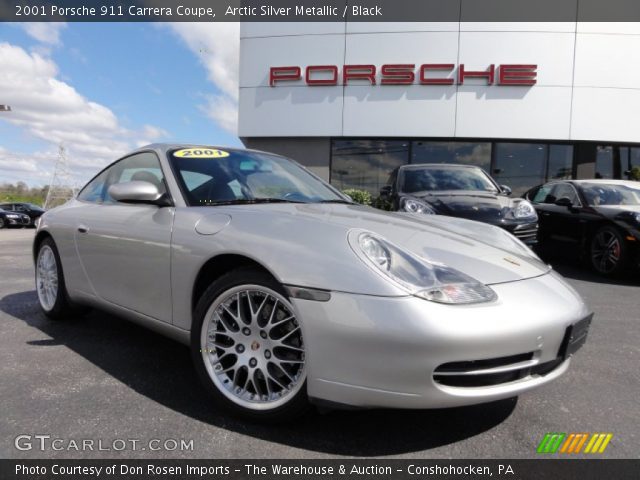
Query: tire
2	223
52	293
608	252
247	347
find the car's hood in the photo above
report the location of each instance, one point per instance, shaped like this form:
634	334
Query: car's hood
480	206
482	251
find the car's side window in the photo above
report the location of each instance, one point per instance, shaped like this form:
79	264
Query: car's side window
20	208
140	167
564	190
542	194
93	191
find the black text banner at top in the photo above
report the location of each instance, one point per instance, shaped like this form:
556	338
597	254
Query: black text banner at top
320	10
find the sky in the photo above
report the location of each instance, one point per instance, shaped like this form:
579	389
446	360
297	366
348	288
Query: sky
103	89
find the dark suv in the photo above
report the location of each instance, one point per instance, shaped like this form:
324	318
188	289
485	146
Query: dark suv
29	209
464	191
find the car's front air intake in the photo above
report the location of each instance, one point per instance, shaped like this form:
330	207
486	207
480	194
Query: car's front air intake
493	371
528	233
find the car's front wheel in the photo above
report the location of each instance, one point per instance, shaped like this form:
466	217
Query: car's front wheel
608	252
248	347
52	294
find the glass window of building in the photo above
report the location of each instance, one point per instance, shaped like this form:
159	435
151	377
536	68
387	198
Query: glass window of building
520	166
366	164
634	163
610	161
466	153
560	162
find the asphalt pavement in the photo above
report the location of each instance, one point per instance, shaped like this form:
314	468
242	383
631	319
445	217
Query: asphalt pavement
102	379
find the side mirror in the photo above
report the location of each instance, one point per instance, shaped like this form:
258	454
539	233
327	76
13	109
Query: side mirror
564	202
506	190
136	192
385	191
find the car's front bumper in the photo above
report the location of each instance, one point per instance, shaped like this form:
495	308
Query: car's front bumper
525	232
17	222
369	351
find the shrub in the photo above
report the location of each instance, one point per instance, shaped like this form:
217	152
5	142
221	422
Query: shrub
359	196
635	173
381	204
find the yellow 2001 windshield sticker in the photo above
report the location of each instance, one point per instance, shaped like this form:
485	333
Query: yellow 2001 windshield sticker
200	153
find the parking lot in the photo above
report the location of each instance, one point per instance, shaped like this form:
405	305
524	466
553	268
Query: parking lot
103	378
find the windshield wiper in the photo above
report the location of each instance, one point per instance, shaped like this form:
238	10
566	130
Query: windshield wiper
250	201
347	202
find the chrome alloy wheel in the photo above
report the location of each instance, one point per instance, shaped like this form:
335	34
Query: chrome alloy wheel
47	278
606	251
252	347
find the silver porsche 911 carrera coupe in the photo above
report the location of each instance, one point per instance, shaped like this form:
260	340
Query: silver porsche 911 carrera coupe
290	294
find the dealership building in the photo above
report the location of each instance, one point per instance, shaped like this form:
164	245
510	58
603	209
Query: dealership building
528	102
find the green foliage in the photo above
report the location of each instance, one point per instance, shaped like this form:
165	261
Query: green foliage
635	173
359	196
381	204
20	192
36	200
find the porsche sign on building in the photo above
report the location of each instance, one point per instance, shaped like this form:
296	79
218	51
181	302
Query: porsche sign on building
526	101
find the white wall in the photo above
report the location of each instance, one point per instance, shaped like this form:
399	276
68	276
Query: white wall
588	81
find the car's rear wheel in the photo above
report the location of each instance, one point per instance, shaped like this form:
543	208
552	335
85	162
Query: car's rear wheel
52	294
248	347
2	223
608	252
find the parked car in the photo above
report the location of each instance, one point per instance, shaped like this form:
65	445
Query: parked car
12	219
600	219
463	191
32	211
289	293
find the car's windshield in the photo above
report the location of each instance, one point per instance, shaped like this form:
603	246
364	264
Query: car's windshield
35	207
611	194
433	179
211	177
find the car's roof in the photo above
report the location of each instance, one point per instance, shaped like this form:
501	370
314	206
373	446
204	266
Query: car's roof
604	181
436	165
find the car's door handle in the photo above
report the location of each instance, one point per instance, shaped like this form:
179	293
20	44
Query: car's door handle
546	214
83	229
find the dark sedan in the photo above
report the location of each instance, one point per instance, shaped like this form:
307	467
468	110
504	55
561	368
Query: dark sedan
13	219
460	191
29	209
599	219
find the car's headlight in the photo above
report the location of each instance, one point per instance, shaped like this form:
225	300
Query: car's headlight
412	205
524	209
416	275
12	215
